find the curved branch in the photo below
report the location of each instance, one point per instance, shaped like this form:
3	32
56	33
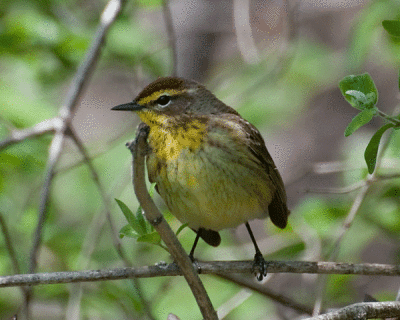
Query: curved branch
138	149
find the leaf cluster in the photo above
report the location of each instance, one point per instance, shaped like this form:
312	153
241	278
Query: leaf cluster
360	91
139	228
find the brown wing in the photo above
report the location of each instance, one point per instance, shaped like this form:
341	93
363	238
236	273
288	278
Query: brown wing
277	209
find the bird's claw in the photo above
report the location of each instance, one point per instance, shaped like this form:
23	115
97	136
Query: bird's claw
260	264
195	264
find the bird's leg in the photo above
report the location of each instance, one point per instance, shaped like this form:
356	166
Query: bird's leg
194	245
191	254
259	260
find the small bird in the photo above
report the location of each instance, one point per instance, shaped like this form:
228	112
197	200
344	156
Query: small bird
210	166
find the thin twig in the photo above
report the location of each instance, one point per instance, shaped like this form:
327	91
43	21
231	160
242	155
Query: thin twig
154	216
389	118
46	126
206	267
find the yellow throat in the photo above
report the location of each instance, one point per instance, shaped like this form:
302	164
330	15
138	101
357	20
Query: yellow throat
169	136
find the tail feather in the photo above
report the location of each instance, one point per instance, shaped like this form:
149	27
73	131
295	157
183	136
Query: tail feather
209	236
278	211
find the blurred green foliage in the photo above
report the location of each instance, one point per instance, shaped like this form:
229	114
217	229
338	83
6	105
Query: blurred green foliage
41	45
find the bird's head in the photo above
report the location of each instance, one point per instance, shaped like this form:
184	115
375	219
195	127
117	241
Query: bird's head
170	97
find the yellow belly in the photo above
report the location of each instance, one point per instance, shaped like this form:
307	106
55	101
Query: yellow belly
210	188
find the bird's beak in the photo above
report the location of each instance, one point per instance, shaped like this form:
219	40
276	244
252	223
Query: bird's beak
131	106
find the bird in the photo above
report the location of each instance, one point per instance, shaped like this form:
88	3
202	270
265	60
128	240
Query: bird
210	166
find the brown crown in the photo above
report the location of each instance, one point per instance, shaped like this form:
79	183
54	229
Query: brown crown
160	84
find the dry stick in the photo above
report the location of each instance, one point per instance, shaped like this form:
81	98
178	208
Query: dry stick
153	215
82	75
206	267
363	310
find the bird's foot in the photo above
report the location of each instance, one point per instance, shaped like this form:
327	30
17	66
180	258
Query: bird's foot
260	264
195	263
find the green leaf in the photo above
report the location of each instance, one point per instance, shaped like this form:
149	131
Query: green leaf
360	91
127	231
153	238
130	217
371	151
183	226
359	120
141	220
358	95
392	27
152	189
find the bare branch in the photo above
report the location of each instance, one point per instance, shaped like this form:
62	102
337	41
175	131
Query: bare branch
39	129
389	118
206	267
363	310
154	216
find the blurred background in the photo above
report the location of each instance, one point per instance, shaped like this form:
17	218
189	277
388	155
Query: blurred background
278	63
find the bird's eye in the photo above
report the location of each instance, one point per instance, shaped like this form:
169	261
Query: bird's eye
163	100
